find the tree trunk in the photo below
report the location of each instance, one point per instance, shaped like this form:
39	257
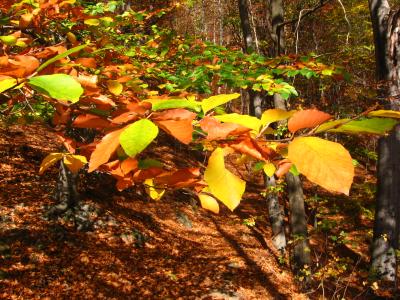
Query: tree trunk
386	28
298	220
255	104
298	224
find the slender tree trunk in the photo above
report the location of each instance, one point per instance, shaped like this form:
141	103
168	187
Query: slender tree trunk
386	28
298	221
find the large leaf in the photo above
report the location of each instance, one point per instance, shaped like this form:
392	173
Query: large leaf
325	163
58	86
104	149
308	118
215	130
90	121
49	161
244	120
60	56
369	126
137	136
273	115
224	185
214	101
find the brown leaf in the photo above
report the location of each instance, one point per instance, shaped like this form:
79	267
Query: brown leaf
125	117
90	121
308	118
174	114
104	149
88	62
180	178
142	175
246	146
283	167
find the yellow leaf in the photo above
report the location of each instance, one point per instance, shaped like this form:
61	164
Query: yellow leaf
273	115
208	202
214	101
269	169
244	120
74	162
115	87
92	22
7	83
49	160
325	163
152	191
224	185
385	113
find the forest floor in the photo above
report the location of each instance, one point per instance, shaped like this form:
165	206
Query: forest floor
169	249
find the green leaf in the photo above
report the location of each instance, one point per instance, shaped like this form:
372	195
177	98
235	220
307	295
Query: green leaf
8	40
176	103
224	185
369	126
58	86
149	163
244	120
214	101
59	56
136	137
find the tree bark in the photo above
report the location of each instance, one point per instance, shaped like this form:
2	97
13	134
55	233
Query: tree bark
298	221
386	29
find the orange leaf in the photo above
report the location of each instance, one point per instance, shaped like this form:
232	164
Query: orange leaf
139	108
128	165
308	118
88	62
181	130
180	178
174	114
142	175
90	121
125	117
246	146
124	182
283	167
216	130
104	149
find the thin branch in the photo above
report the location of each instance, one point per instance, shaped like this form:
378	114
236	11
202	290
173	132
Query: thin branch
310	11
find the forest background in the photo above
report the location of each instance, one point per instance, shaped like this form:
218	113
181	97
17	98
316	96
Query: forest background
128	89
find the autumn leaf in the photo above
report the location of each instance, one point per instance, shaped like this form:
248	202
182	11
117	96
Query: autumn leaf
308	118
90	121
180	178
207	201
274	115
151	190
224	185
214	101
215	130
323	162
49	161
74	162
104	149
244	120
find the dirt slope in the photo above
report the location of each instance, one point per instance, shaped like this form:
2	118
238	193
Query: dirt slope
138	249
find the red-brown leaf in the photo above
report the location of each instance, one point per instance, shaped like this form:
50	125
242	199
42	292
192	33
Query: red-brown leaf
125	117
283	167
308	118
104	149
90	121
181	130
180	178
217	130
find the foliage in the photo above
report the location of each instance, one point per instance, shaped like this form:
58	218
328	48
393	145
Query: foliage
126	78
